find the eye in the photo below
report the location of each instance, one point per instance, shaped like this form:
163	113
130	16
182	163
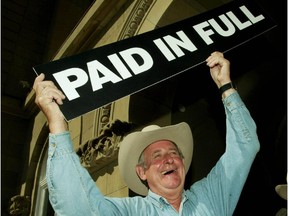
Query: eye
156	156
174	153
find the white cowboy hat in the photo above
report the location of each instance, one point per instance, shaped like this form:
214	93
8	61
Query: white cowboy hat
133	145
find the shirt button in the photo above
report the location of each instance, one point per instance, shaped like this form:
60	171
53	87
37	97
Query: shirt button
53	145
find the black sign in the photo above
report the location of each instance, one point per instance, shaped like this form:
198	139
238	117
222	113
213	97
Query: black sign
100	76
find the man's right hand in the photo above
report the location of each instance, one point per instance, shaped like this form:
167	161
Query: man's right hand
48	98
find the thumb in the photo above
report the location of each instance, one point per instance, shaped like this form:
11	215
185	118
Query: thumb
38	79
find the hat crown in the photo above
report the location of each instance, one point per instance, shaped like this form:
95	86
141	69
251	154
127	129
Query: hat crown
150	128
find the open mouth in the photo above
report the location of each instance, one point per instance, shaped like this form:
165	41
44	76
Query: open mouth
168	172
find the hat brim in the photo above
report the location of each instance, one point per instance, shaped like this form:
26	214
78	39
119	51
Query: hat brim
282	191
133	145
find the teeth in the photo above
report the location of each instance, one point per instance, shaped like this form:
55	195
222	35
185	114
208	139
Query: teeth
167	172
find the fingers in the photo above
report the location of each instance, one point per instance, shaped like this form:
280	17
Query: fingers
52	94
215	54
38	79
219	68
216	58
46	91
48	98
40	84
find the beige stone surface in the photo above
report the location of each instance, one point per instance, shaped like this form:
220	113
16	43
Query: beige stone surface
101	181
114	180
74	128
110	182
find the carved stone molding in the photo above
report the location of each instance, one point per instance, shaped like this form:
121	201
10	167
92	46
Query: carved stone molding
19	205
101	150
135	18
104	117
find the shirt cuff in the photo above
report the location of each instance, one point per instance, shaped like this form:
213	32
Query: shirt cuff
60	144
233	101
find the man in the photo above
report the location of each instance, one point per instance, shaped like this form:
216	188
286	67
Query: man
153	161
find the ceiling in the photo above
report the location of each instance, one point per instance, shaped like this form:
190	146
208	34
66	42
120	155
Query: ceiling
31	32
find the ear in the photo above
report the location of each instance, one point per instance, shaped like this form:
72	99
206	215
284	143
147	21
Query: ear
141	172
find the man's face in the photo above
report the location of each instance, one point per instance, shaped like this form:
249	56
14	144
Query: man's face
164	169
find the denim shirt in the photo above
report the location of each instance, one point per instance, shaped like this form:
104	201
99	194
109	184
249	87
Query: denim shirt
73	192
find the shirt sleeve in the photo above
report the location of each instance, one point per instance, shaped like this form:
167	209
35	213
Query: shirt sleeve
242	145
72	191
221	189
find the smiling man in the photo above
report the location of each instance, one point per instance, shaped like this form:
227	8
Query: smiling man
153	161
157	162
164	171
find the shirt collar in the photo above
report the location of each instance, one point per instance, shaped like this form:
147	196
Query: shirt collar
160	201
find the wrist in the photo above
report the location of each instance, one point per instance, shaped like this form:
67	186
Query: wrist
58	126
228	93
227	89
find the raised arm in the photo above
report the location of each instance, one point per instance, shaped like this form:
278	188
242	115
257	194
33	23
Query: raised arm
225	181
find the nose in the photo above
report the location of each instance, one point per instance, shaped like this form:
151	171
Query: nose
168	159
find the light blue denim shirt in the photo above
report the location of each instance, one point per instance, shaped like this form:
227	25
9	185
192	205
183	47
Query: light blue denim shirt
73	192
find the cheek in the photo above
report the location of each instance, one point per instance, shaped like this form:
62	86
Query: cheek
179	161
153	167
153	163
152	170
180	164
